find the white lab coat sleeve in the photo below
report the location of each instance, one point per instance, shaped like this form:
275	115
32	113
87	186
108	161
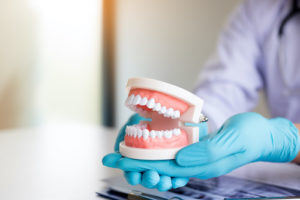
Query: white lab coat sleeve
231	80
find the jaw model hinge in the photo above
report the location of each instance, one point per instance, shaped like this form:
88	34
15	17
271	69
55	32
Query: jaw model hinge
203	118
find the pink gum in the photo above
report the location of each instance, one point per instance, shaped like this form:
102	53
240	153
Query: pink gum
163	99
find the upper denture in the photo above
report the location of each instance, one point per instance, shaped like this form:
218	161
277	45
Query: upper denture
150	100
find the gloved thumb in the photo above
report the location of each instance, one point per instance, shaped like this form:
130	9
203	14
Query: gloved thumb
194	154
185	156
203	152
110	160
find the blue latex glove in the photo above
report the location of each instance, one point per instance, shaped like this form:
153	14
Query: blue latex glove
148	178
242	139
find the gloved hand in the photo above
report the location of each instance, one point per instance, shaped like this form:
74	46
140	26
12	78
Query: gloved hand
242	139
146	172
148	178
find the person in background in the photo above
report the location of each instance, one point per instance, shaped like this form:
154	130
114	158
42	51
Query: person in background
258	50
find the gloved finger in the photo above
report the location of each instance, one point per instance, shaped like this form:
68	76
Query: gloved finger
170	167
164	184
150	178
179	182
203	128
110	160
134	119
133	178
214	147
163	167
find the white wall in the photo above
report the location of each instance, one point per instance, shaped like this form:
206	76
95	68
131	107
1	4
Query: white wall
69	60
49	61
165	39
17	53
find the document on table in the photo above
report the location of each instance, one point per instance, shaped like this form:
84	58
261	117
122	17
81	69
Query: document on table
233	186
281	174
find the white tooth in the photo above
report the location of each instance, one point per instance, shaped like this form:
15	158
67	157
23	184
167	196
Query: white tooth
143	126
157	107
176	131
145	134
153	134
163	110
151	103
176	114
139	133
133	129
168	134
144	101
128	130
130	99
169	112
134	132
159	134
137	100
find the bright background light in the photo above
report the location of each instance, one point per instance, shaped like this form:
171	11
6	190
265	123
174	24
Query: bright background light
51	54
69	59
50	64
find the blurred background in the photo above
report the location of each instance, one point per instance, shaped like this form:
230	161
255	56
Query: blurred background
68	61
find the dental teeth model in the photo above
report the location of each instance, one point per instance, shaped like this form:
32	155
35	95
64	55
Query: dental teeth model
169	108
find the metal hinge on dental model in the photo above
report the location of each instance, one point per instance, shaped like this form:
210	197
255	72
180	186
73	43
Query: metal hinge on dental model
203	118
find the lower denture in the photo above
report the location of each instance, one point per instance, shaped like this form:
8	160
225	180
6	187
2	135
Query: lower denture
175	141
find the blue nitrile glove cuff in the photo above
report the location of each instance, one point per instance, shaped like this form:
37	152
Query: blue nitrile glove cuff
285	141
